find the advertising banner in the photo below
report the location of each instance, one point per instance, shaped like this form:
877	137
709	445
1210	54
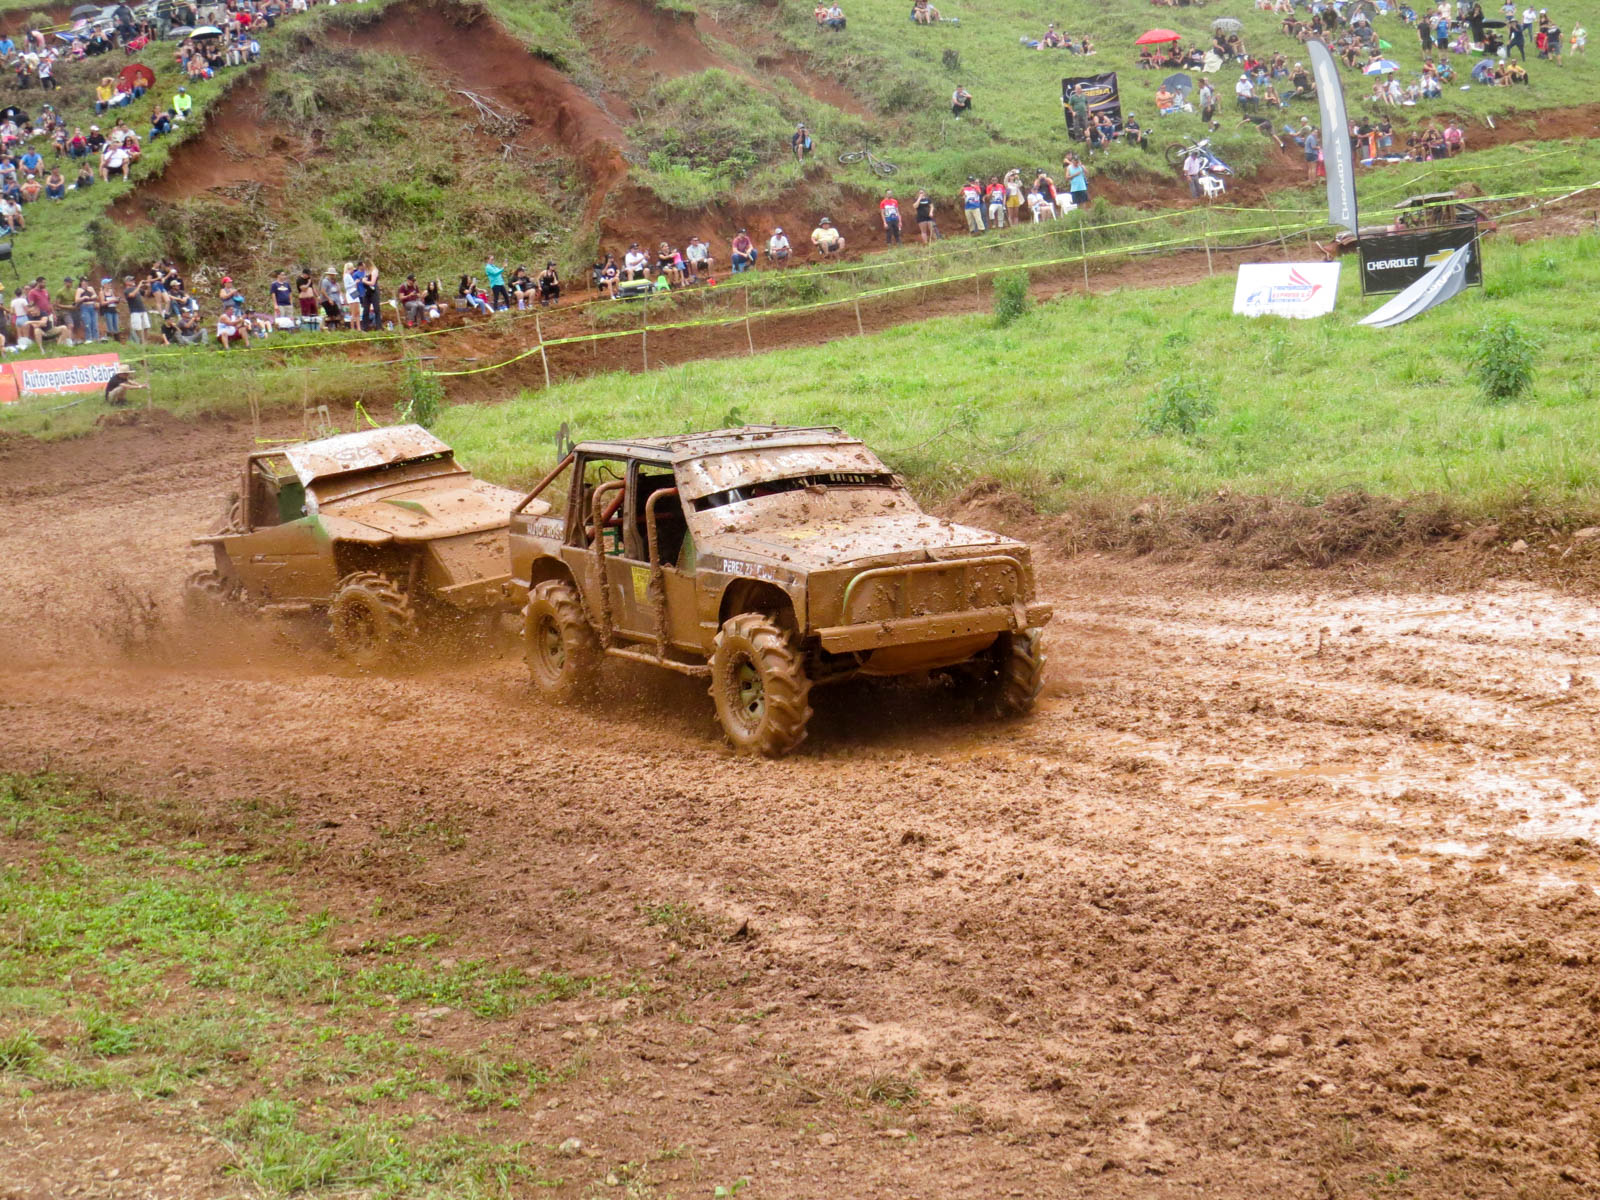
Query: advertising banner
52	376
1101	93
1392	262
1286	289
1434	288
1336	154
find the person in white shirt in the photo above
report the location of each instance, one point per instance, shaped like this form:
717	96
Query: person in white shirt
697	258
635	262
778	246
1245	91
1193	167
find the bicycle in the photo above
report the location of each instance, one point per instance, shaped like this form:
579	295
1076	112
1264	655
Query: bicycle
881	167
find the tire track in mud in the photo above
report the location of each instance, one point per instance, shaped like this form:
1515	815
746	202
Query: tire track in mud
1237	911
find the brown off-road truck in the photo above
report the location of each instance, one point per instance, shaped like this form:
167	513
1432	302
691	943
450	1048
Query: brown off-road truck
768	560
372	528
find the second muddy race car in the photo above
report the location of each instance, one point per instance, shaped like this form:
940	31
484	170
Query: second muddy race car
380	530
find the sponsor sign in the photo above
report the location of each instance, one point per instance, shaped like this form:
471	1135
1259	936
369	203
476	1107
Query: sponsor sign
1392	262
1336	151
52	376
1101	93
1286	289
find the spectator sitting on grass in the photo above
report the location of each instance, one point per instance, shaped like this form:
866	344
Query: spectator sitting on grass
744	252
85	179
1133	133
160	124
182	102
924	13
834	17
30	189
230	329
778	248
409	297
800	143
696	259
826	238
12	212
960	102
549	285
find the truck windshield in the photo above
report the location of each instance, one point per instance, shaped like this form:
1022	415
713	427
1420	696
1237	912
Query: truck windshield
826	481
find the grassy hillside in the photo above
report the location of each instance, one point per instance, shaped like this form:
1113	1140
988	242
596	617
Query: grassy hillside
1060	405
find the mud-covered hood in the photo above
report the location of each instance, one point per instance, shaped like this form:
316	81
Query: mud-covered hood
427	510
836	542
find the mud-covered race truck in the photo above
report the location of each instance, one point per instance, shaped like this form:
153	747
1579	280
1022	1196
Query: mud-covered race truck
768	560
382	530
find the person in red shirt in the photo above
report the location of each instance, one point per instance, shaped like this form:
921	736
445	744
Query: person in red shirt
889	210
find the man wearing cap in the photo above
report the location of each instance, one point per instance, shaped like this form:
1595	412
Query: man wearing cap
634	262
826	238
889	212
332	298
182	102
744	252
972	205
697	257
778	247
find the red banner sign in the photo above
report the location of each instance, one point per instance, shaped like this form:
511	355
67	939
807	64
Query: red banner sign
52	376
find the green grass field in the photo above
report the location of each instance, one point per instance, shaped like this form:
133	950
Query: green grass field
1054	405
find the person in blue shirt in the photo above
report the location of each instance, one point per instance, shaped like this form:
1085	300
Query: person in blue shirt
1077	180
31	162
7	47
495	274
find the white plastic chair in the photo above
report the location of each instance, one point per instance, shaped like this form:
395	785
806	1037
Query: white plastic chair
1211	187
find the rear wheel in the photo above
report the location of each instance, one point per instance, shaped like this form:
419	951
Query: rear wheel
1177	152
1012	672
372	621
558	643
759	686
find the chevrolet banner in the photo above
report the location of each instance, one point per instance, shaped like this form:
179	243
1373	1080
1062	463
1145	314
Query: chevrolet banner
1392	262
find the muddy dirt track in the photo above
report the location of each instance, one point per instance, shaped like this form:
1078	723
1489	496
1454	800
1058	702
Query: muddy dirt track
1287	890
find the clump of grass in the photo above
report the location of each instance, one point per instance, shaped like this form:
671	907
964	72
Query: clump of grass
424	396
1011	299
1502	358
1180	404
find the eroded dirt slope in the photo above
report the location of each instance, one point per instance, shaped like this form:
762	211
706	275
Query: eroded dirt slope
1288	889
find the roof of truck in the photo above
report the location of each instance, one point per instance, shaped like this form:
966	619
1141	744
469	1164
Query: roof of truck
683	446
361	451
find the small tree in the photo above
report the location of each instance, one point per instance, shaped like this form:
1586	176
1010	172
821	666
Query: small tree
1011	298
424	395
1179	405
1502	357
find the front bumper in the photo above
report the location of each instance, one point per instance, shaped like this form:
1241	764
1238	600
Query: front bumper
935	627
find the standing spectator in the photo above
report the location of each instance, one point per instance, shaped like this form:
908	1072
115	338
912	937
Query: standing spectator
1208	102
1015	197
65	303
332	299
349	296
495	275
889	213
960	102
924	210
370	316
282	298
1077	106
306	294
826	238
549	285
1313	152
88	302
778	246
744	252
971	200
995	195
109	317
1077	181
133	294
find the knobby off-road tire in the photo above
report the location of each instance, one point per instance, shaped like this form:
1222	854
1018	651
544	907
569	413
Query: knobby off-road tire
559	645
759	685
207	596
1014	674
372	621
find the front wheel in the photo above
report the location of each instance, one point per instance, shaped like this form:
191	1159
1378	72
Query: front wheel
371	620
759	686
558	643
1012	674
852	156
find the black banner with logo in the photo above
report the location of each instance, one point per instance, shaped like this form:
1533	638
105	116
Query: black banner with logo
1101	93
1392	262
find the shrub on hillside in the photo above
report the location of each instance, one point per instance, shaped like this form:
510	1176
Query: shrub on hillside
1180	404
1502	358
1011	299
